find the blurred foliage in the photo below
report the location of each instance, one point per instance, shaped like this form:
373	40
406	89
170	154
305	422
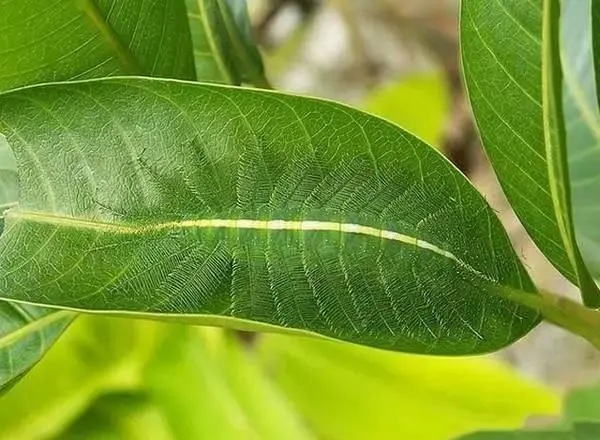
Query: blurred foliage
580	421
420	103
124	379
352	392
95	356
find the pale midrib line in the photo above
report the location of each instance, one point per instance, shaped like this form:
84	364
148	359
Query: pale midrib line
242	223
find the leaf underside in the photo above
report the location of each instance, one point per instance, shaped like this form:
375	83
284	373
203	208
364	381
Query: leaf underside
505	90
67	40
170	199
224	49
583	124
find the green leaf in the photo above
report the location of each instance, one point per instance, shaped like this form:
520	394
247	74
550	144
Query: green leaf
80	39
42	42
393	395
94	356
223	44
419	103
583	127
509	104
26	332
207	386
251	209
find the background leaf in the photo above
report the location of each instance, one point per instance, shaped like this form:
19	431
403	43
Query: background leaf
394	395
155	229
44	42
595	12
419	103
583	127
74	373
223	44
505	90
81	39
120	417
580	421
207	386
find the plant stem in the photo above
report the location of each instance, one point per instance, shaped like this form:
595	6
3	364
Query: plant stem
562	312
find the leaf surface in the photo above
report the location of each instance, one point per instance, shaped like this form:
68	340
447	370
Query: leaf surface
26	332
226	206
508	101
224	48
50	41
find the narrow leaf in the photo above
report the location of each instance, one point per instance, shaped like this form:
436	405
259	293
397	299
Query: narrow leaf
223	44
583	125
514	98
42	42
251	209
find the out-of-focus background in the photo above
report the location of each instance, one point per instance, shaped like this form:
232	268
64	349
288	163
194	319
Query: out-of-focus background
400	60
120	379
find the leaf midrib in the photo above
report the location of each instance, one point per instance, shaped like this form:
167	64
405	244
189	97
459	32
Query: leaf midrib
239	223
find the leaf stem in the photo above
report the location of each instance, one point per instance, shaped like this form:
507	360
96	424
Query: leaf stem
561	311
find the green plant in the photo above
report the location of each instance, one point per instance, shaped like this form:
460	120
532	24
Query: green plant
155	196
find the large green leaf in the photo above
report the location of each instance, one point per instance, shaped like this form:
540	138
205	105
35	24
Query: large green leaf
26	332
583	127
393	395
505	89
223	45
41	42
226	206
95	355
